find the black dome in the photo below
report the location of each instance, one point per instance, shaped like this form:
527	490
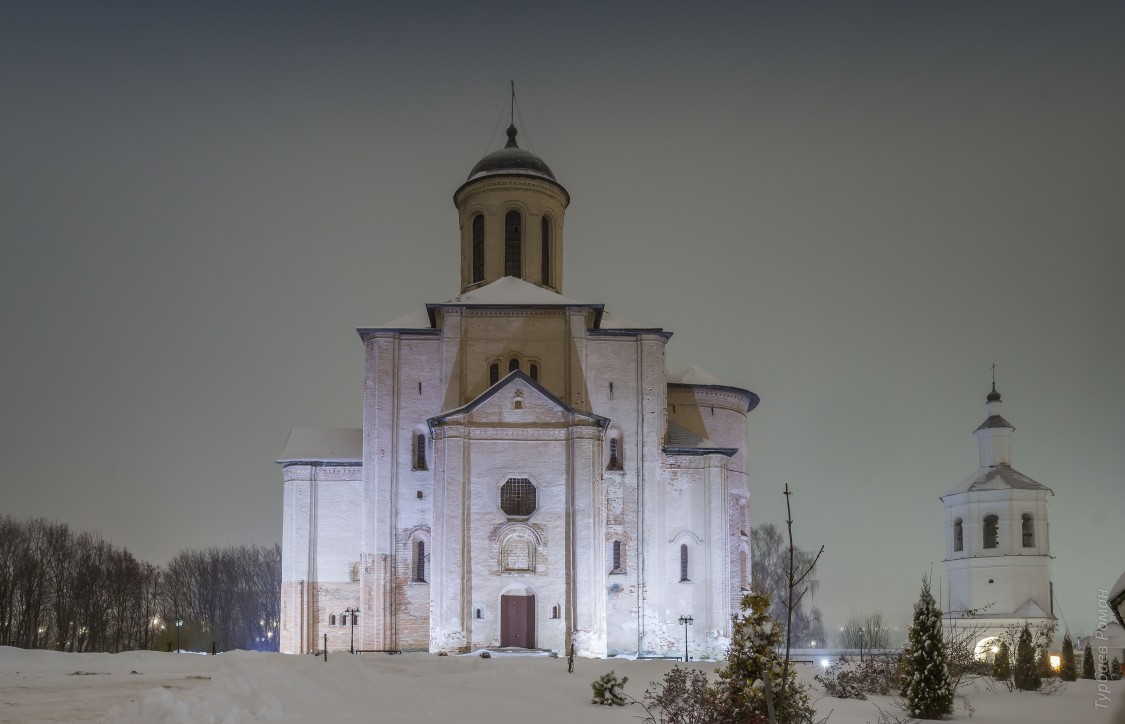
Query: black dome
511	160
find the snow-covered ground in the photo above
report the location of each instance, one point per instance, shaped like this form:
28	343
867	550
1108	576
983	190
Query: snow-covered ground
154	687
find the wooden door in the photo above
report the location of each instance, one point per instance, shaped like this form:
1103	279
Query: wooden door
517	621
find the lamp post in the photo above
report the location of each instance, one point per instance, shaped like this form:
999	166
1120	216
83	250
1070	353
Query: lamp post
686	621
352	612
861	644
179	625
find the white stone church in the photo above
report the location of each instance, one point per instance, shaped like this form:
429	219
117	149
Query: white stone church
529	472
998	552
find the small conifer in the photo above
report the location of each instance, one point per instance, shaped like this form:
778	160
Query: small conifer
1067	669
1043	661
929	695
1114	670
1087	663
1002	665
1025	674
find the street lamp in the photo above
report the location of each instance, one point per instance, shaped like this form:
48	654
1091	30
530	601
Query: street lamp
179	625
861	644
352	613
686	621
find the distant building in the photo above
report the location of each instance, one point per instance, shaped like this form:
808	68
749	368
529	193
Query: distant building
997	550
529	472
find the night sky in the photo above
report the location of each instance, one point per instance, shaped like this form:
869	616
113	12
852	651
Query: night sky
853	210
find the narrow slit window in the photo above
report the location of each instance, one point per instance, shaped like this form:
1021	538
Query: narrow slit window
614	454
478	248
513	364
533	371
332	620
545	266
493	373
617	556
991	531
420	562
420	451
479	613
684	563
958	536
555	611
1028	530
513	243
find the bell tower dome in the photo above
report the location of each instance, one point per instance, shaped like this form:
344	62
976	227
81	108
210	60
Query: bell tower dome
510	211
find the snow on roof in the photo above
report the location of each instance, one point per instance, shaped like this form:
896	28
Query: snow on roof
1030	609
691	375
680	436
512	290
612	321
323	444
998	477
417	319
1116	599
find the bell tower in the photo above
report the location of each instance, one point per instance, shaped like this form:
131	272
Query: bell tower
510	210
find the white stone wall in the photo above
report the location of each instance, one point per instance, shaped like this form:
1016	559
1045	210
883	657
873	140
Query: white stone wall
651	505
320	551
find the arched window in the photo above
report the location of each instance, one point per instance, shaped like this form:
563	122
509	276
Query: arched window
533	370
332	620
618	558
513	243
478	248
513	364
991	531
493	373
555	611
478	613
958	536
545	266
1028	529
614	454
420	562
420	451
344	620
744	569
683	563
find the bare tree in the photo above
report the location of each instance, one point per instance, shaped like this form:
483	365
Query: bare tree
769	573
866	632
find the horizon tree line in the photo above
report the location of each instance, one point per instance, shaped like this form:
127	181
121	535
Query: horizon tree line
75	591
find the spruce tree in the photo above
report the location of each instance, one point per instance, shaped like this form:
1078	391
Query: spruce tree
1043	661
1067	670
1114	670
1002	665
1088	663
1025	674
752	658
929	695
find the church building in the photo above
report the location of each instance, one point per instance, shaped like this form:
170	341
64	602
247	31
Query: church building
529	472
997	551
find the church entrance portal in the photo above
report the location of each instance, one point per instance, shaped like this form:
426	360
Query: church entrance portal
517	621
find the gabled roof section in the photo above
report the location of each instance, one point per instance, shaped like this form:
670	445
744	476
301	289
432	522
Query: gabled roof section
1116	599
996	477
512	293
514	377
339	445
691	375
1030	609
682	441
995	421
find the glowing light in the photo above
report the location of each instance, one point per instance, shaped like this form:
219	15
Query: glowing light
825	663
995	649
1056	661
